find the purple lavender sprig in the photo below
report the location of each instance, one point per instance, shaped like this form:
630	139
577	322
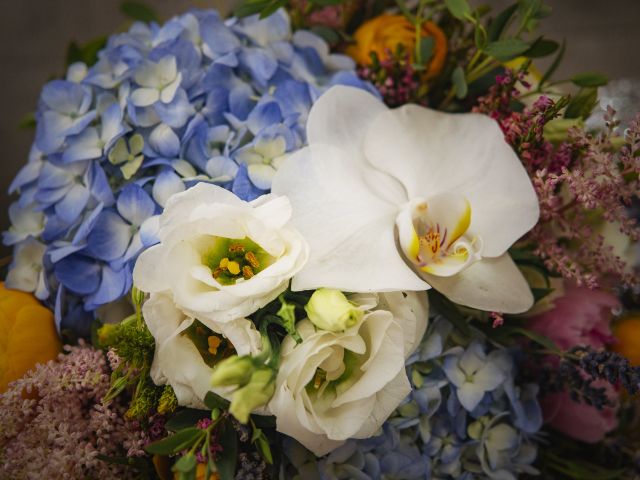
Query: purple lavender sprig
609	366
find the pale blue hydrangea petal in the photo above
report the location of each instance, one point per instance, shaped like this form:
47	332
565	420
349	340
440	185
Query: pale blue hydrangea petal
78	273
135	205
109	238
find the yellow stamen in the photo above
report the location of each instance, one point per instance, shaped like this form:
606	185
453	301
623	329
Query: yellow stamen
233	267
247	272
224	262
252	259
236	248
214	342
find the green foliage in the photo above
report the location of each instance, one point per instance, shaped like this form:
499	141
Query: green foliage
542	47
87	53
177	442
287	314
555	64
500	23
131	339
226	464
263	7
139	11
582	104
185	418
450	310
507	49
590	79
460	9
459	83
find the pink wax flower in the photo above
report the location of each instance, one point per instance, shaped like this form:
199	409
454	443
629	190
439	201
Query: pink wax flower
580	317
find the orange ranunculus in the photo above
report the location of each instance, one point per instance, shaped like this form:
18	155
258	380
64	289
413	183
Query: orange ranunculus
27	335
201	471
385	32
627	333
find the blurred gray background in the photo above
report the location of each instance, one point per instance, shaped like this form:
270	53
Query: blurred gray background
34	34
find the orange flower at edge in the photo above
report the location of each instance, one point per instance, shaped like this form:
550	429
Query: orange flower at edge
27	335
627	333
385	32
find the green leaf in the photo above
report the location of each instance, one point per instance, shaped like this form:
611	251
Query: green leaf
331	36
541	340
458	8
139	11
498	25
590	79
176	442
507	49
542	47
185	418
27	122
226	464
555	64
406	11
287	314
459	83
480	37
213	400
426	49
262	444
449	310
87	53
540	293
582	104
185	464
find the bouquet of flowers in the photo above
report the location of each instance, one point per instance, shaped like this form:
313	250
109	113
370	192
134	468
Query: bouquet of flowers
323	239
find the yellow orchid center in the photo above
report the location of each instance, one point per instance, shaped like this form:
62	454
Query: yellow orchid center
433	234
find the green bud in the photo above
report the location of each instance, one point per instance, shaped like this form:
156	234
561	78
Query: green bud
254	394
329	309
234	370
557	130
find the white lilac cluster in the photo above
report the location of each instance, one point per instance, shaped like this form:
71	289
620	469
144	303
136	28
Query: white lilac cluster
465	418
198	99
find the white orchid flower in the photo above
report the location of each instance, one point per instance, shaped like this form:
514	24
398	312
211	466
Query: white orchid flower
409	199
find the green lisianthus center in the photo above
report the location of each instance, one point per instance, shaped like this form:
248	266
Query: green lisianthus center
232	259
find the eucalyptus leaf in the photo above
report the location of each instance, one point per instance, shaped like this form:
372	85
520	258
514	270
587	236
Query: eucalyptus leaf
555	64
213	400
458	8
480	37
582	104
507	49
541	340
459	83
185	418
426	49
226	464
590	79
542	47
499	24
185	464
176	442
139	11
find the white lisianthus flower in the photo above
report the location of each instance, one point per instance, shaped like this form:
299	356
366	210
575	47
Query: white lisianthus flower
339	385
221	258
186	350
27	272
409	199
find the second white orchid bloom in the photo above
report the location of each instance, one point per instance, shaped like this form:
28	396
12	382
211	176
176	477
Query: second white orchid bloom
409	199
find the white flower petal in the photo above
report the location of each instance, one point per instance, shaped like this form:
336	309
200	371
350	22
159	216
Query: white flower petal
432	152
349	229
492	284
341	117
261	175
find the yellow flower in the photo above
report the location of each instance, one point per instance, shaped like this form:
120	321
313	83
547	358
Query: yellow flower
385	32
27	335
627	332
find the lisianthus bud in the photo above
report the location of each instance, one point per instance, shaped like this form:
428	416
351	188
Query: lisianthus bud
329	309
254	394
234	370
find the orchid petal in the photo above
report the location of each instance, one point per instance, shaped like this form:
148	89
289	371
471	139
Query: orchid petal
435	152
491	284
349	228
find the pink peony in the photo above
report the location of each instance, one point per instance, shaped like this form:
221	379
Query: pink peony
580	317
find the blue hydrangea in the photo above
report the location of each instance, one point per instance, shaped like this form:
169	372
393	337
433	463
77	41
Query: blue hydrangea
198	99
466	418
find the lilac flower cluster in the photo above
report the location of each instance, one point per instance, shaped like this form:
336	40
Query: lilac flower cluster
394	77
54	424
465	418
197	99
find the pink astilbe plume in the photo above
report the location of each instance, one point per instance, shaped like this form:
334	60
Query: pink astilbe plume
581	183
54	424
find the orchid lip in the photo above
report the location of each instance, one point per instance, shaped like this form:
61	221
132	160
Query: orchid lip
433	234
